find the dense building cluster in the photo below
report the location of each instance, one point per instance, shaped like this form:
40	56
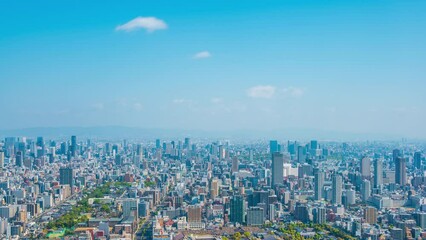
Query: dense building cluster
93	188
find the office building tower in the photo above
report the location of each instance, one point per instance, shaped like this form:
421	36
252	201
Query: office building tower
73	146
314	144
118	160
19	159
301	154
365	168
194	214
273	146
319	215
395	154
237	208
370	215
400	171
301	212
255	216
417	159
130	207
235	164
1	159
143	208
420	218
378	173
277	168
318	184
66	176
187	143
365	190
272	212
214	190
337	184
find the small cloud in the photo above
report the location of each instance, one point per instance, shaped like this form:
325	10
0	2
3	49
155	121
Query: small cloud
150	24
202	55
293	91
216	100
181	101
98	106
137	106
261	91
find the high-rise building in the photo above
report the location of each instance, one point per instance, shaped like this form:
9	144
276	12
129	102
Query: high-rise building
400	171
1	159
319	215
337	184
370	215
272	212
214	190
194	213
418	160
73	146
395	154
19	159
420	218
277	168
318	184
130	207
237	206
378	173
301	154
235	164
314	144
66	176
365	190
365	168
255	216
273	146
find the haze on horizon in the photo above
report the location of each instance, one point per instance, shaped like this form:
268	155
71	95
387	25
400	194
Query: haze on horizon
341	66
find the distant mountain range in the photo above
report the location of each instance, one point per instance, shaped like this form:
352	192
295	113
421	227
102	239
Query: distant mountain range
114	132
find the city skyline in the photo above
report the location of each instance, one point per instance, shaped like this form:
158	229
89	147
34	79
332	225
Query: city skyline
215	66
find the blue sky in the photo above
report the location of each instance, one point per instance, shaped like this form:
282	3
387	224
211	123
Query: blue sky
349	66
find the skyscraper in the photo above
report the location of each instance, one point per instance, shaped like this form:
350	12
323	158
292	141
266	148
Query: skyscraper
396	153
277	168
365	190
400	171
194	213
318	184
1	158
337	183
237	206
235	164
418	160
19	159
73	146
378	173
130	207
66	176
273	146
255	216
370	215
319	215
301	154
365	168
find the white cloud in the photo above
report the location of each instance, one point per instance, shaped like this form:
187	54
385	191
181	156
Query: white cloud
181	101
202	55
150	24
98	106
137	106
294	91
216	100
261	91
